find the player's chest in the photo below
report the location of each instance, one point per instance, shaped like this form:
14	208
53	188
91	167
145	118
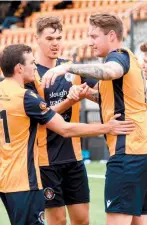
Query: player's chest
58	92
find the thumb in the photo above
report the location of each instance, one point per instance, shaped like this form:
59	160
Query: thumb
85	89
116	116
83	85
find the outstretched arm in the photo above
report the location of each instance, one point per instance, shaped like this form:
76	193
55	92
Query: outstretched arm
107	71
113	127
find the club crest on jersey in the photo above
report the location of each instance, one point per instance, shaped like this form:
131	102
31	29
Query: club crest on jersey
69	77
49	193
33	94
41	217
42	105
119	51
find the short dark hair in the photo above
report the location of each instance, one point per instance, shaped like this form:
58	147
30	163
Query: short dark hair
107	22
48	22
11	56
143	47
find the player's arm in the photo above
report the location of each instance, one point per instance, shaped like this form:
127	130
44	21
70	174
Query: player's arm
78	92
88	92
36	108
107	71
93	95
63	106
92	90
113	127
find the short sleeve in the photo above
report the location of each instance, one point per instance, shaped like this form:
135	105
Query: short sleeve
90	82
36	108
121	57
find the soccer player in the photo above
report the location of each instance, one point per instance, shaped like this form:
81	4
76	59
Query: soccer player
20	112
63	171
121	89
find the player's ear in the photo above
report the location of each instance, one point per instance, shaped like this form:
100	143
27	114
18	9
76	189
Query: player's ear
36	37
18	68
112	35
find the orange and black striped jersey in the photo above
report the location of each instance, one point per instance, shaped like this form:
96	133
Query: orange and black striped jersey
125	95
20	112
58	149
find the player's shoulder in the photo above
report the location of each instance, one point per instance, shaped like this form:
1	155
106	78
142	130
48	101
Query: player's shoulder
19	93
63	60
30	94
118	54
120	51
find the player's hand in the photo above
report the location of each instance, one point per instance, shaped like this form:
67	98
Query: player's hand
120	127
78	92
51	75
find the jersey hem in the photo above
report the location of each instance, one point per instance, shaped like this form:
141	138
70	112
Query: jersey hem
63	162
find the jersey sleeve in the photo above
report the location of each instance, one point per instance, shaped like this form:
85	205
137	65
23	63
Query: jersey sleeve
121	57
36	108
90	82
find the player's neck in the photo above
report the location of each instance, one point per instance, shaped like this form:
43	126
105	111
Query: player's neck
115	46
19	79
44	61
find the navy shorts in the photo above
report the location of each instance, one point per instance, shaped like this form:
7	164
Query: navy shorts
24	208
126	185
65	184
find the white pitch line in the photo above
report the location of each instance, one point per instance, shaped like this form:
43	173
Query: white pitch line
96	176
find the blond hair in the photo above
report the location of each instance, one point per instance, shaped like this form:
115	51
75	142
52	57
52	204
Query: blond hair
107	22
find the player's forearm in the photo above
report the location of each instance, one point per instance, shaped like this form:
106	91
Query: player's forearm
83	130
63	106
59	126
93	95
97	71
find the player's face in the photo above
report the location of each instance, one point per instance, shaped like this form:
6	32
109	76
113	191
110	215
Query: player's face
98	41
29	68
49	42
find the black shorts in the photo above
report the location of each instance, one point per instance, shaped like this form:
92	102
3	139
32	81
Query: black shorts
65	184
24	208
126	185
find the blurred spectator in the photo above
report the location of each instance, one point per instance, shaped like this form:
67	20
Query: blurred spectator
63	5
143	48
20	10
13	7
4	8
